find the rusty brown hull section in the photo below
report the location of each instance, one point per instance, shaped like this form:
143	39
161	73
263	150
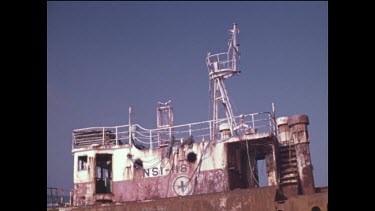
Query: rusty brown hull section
265	199
83	194
156	187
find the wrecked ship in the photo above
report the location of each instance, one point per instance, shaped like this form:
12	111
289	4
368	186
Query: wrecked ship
126	163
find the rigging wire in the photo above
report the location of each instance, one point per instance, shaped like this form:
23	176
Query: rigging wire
251	168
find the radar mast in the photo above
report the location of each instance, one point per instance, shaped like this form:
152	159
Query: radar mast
221	66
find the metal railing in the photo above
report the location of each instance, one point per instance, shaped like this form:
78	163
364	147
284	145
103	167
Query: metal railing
223	60
150	138
58	197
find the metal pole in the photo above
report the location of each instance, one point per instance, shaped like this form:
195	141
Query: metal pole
150	140
103	136
70	198
130	128
252	119
234	47
170	133
116	136
51	198
209	124
270	123
274	118
215	110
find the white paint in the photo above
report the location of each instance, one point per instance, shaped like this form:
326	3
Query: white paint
123	167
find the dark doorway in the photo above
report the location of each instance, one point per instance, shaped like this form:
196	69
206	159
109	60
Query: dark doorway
103	173
238	166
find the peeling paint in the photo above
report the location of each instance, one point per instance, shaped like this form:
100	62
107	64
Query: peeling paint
212	170
129	163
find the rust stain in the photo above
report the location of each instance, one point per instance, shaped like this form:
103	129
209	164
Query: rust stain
130	163
211	167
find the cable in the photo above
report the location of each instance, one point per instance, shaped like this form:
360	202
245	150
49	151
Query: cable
169	174
251	169
199	166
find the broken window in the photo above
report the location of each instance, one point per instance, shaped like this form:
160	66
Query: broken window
82	163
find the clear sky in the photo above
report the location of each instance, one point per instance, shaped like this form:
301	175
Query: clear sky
103	57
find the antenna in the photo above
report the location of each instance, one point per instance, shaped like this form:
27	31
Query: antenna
221	66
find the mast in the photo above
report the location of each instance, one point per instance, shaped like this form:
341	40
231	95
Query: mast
221	66
164	120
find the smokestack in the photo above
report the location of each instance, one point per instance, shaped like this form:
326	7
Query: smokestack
300	136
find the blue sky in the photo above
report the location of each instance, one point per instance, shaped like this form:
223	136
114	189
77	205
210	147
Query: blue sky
103	57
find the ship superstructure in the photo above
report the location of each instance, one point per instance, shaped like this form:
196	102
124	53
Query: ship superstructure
131	163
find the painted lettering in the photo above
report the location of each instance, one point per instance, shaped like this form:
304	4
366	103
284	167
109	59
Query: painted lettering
146	172
155	171
183	168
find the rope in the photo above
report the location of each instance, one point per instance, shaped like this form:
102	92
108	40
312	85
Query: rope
248	159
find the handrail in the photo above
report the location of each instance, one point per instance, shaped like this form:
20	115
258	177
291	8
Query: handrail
223	59
55	197
119	135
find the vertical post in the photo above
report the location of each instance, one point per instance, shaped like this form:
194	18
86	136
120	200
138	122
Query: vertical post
272	166
252	120
234	52
70	198
157	118
190	129
103	136
270	123
150	140
216	114
274	119
130	128
209	125
52	198
116	136
62	196
170	133
158	123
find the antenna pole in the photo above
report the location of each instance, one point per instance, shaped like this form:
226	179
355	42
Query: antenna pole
130	127
235	47
222	66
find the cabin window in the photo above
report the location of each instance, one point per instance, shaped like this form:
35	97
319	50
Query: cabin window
82	163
